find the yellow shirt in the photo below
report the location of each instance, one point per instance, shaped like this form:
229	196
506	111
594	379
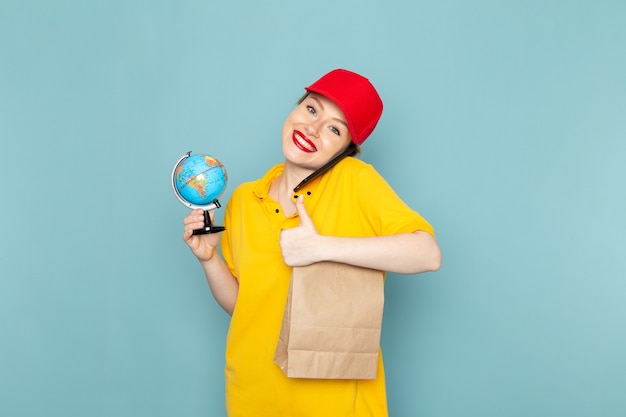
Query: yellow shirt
351	199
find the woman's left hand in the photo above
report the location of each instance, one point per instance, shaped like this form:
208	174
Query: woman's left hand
301	245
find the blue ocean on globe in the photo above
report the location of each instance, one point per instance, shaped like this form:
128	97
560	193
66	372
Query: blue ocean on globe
200	179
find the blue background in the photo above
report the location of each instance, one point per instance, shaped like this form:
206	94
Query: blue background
504	126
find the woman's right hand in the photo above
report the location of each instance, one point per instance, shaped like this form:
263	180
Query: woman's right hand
202	246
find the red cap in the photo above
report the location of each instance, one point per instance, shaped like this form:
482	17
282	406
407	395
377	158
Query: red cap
356	97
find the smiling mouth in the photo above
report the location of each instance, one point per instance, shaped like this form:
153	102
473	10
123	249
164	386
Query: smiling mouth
302	142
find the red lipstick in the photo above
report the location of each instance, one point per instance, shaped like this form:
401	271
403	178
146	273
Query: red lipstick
302	142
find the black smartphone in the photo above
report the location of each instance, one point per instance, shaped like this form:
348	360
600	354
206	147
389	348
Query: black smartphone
328	165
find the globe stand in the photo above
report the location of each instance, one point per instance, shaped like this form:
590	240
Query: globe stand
208	226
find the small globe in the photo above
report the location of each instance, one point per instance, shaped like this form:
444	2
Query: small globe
199	180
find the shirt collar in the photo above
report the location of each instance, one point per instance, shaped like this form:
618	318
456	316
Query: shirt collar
262	187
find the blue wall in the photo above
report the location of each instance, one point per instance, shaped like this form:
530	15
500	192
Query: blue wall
504	126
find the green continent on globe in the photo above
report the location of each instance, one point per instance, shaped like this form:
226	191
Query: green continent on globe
199	183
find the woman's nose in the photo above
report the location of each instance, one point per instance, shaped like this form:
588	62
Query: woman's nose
312	128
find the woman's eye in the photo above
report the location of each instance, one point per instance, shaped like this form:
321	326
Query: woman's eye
335	131
311	109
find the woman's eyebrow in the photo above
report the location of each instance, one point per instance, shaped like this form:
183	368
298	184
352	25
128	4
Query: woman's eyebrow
319	102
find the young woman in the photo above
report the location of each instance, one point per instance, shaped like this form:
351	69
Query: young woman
301	212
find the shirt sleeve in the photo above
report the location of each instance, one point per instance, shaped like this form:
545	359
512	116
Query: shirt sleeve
387	212
225	239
